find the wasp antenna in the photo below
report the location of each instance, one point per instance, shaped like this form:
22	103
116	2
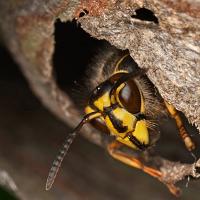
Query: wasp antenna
68	141
58	161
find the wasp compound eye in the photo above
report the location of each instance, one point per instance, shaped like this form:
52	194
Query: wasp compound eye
130	97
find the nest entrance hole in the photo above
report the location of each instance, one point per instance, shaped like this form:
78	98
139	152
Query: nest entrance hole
74	51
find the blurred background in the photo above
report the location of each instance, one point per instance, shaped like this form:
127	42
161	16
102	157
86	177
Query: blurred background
30	137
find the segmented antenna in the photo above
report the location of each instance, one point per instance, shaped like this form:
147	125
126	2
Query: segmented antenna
58	161
69	139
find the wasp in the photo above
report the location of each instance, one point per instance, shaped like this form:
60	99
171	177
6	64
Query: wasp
122	103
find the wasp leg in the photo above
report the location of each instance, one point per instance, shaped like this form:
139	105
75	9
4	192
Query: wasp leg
115	152
182	132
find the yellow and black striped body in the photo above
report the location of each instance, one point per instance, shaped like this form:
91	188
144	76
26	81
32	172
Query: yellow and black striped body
121	102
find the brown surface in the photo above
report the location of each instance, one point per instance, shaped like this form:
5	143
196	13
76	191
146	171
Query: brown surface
170	49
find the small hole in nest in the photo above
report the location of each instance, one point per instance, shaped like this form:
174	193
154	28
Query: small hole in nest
145	15
197	169
83	13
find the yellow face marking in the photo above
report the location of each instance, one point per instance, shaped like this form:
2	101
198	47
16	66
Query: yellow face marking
118	91
141	133
113	100
142	109
127	119
103	101
126	141
116	95
88	110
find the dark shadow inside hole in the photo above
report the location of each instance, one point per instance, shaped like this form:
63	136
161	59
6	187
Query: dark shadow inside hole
83	13
74	51
145	15
198	170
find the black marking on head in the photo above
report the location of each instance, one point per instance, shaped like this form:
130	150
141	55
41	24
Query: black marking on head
140	116
137	143
117	123
99	91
